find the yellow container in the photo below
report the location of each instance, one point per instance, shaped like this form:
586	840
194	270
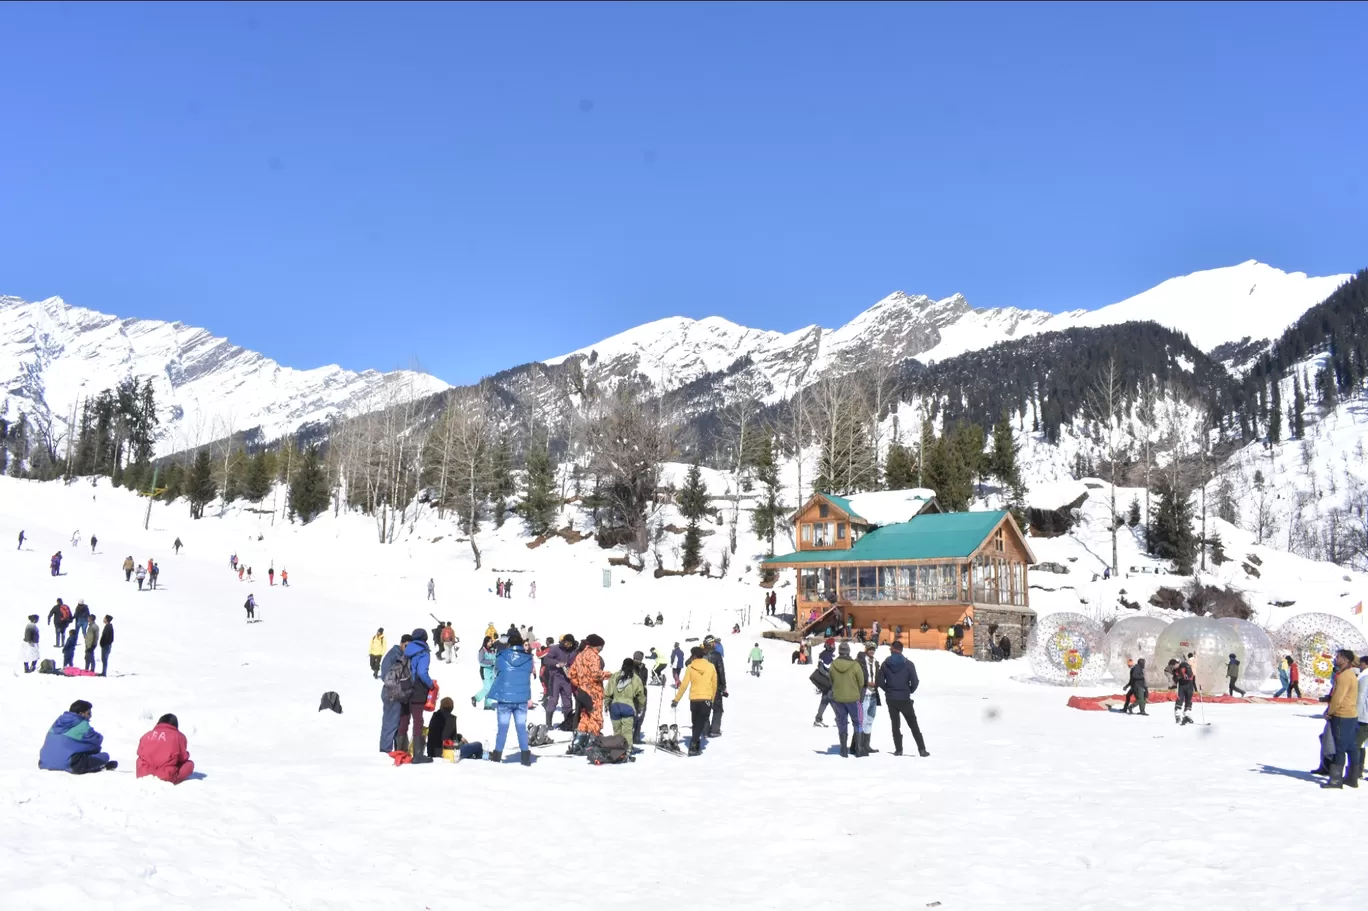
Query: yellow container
448	754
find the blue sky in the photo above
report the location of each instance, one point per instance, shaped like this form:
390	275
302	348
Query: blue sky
473	187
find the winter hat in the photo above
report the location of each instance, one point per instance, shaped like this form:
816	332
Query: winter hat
843	650
1232	656
870	646
829	642
709	640
515	639
80	706
593	640
170	719
419	634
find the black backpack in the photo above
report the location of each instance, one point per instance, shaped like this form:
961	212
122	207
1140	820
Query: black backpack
398	683
331	701
821	678
609	750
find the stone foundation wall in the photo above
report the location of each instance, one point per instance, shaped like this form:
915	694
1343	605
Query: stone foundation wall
1015	623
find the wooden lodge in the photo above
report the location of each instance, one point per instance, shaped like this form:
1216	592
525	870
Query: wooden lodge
931	579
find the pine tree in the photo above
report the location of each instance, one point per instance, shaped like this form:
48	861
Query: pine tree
946	473
693	503
1171	534
766	515
539	501
900	468
256	477
1298	410
200	487
309	491
501	485
1002	458
1133	514
1275	414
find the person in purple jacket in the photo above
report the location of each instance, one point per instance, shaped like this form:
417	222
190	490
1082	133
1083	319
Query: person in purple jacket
557	664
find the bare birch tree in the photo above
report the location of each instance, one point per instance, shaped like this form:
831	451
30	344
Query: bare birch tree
1104	406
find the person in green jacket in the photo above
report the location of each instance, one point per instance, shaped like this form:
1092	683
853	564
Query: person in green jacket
92	639
757	658
847	685
626	698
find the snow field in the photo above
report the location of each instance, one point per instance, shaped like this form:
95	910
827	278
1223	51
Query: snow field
1023	803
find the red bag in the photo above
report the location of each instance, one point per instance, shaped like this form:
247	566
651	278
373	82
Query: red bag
401	757
431	704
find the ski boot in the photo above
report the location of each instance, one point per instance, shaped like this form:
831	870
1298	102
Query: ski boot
496	756
922	753
845	751
526	757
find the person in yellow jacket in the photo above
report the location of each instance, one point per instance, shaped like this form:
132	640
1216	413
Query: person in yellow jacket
490	632
377	651
700	682
1342	714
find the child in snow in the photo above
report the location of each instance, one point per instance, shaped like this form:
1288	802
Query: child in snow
757	658
72	745
163	752
69	649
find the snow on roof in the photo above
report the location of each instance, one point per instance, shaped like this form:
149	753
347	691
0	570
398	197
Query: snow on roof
889	507
1054	494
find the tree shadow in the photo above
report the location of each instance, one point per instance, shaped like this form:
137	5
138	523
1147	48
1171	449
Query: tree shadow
1266	769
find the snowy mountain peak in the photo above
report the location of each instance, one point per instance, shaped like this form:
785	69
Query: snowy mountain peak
1213	306
54	355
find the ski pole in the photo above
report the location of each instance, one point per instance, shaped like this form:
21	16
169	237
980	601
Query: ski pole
660	706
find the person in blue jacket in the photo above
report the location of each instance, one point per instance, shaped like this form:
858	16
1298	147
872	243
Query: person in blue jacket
69	649
677	663
72	745
389	718
898	679
418	655
511	691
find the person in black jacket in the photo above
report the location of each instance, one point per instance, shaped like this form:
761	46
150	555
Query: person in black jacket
824	659
106	643
898	680
715	657
1186	681
1137	688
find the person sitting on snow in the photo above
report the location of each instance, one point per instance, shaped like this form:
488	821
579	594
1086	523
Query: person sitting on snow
72	745
163	752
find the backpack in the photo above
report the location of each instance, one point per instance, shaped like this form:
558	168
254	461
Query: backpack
64	614
821	678
398	683
608	750
332	701
47	666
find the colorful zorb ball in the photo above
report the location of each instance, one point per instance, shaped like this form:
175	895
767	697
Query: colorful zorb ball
1315	638
1067	650
1211	643
1130	639
1260	657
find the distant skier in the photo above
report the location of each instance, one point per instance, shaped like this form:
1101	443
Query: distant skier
128	568
55	564
249	574
377	652
141	574
93	541
757	658
242	570
432	590
1187	685
284	578
532	590
154	573
250	606
232	561
449	641
270	576
658	665
177	546
1233	674
21	540
508	588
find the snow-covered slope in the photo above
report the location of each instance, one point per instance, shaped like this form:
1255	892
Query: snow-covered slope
53	354
1214	306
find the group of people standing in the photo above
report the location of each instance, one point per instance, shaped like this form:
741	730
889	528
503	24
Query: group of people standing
244	572
503	588
852	687
74	628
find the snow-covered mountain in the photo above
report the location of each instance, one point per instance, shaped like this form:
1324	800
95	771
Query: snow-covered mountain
1212	307
53	354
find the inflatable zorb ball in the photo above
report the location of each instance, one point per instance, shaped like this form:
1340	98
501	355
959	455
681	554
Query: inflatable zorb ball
1211	643
1316	638
1260	657
1067	650
1133	638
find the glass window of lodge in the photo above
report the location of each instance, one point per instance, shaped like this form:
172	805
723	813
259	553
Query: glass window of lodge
840	531
822	510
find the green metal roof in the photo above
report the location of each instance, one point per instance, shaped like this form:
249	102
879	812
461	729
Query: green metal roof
937	536
842	504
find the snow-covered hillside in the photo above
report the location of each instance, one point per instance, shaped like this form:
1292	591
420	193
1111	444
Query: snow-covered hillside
1214	306
53	354
293	807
